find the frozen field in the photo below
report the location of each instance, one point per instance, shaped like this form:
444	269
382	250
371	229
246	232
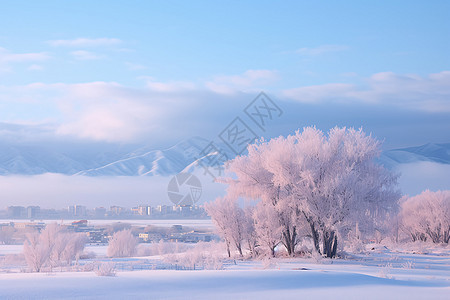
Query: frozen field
377	275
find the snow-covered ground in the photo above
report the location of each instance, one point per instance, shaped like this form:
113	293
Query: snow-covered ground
380	274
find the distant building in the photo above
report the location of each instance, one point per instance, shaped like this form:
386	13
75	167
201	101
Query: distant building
80	210
100	212
144	210
97	236
77	210
116	210
177	227
16	212
144	237
164	209
33	211
81	223
183	209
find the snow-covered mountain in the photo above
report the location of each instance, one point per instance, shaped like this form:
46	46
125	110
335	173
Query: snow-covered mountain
17	159
145	161
438	153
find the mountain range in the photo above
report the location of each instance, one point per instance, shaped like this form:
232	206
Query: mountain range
145	161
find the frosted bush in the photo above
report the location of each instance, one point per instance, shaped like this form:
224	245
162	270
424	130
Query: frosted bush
408	265
122	244
106	269
385	271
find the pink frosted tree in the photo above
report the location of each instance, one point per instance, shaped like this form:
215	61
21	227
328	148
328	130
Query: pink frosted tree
427	216
267	227
36	252
230	222
53	246
329	182
122	244
74	247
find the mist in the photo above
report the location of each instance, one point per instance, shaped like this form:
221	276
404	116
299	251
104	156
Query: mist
58	191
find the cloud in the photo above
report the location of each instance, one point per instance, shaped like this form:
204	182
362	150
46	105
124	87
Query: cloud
108	111
321	50
169	87
35	67
10	57
411	91
250	80
85	55
166	112
60	191
135	67
319	93
86	42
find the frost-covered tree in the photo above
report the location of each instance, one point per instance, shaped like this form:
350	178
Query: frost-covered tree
122	244
230	221
427	216
250	236
330	182
53	246
6	235
36	252
267	227
74	246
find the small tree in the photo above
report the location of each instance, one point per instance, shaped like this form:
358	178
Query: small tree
36	252
267	228
427	216
122	244
52	246
230	222
74	247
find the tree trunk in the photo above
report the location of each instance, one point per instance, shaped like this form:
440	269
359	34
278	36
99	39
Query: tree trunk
239	247
446	236
289	240
315	236
228	247
329	243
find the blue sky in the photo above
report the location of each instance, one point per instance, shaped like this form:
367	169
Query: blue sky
160	71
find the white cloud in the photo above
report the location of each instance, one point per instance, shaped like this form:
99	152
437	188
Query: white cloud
250	80
85	55
108	111
135	67
35	67
169	87
86	42
318	93
411	91
321	50
10	57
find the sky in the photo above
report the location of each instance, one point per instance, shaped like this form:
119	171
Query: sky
153	73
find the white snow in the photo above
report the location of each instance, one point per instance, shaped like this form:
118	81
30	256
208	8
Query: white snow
377	275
